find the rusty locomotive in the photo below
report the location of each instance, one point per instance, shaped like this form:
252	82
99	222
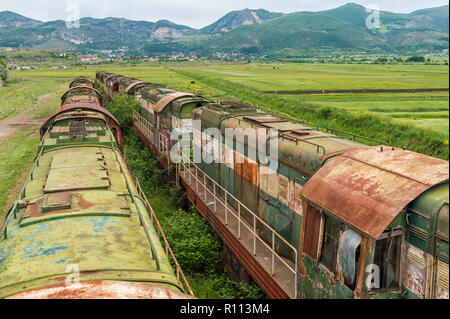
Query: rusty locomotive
81	226
365	221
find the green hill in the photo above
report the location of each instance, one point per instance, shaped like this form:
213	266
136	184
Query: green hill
339	30
256	32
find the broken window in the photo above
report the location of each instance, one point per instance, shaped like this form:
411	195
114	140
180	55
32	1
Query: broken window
331	236
387	261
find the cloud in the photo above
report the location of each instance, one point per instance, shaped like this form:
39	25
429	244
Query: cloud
194	13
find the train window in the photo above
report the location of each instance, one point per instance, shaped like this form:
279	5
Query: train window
331	236
349	250
387	261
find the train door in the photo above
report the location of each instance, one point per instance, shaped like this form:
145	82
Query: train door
440	284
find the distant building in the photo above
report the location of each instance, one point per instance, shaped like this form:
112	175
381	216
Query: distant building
88	58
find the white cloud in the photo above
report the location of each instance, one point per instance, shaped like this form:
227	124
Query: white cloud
194	13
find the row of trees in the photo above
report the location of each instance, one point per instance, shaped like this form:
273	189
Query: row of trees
3	71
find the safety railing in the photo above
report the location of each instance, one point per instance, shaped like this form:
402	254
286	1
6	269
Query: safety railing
185	166
168	249
143	125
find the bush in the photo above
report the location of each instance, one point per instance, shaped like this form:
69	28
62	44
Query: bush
196	247
3	71
416	59
122	107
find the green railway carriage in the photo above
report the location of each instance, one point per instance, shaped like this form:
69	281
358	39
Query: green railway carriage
366	221
80	228
166	111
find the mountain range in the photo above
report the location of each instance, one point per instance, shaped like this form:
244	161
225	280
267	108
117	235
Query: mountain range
251	32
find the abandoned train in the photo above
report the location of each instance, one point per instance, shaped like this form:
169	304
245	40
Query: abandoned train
367	221
79	228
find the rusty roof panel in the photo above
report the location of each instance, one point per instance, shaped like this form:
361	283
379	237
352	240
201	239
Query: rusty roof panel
168	99
367	187
103	289
77	178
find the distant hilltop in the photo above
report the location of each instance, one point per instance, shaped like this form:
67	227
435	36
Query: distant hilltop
346	29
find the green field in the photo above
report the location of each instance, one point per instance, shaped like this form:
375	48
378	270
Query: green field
429	109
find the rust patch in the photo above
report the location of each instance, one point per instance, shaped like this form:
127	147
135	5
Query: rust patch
103	289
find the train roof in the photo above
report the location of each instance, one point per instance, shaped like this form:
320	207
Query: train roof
368	187
81	81
82	90
300	147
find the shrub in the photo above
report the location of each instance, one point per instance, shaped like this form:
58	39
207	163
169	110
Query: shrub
196	247
3	71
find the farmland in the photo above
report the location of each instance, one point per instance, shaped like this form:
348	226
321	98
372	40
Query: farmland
418	121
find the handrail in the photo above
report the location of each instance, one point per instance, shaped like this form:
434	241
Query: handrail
36	164
161	233
7	218
139	118
296	139
186	159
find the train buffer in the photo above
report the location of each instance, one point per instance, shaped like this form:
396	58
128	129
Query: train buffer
276	275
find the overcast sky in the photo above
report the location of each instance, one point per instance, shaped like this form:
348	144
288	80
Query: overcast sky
194	13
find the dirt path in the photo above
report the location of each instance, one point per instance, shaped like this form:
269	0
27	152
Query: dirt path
23	120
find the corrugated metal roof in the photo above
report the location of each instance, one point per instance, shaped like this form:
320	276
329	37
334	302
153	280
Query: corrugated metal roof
368	187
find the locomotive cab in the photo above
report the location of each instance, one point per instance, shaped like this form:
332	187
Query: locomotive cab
379	231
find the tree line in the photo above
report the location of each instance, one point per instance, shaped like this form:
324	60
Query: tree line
3	71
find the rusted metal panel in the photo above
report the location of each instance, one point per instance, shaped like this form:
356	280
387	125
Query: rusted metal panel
415	270
295	200
442	283
168	99
87	87
103	289
369	186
